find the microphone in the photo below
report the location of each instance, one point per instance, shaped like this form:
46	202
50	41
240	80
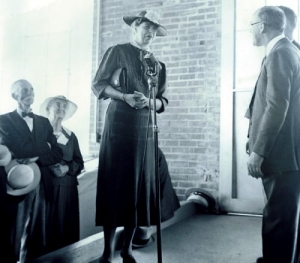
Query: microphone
151	63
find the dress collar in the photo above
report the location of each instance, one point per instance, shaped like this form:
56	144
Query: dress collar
139	47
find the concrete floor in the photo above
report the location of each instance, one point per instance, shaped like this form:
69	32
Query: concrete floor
206	238
189	237
87	200
202	238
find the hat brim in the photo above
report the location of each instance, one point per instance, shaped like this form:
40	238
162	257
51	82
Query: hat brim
137	243
203	193
72	107
25	190
161	31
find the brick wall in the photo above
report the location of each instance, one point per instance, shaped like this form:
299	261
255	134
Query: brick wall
189	129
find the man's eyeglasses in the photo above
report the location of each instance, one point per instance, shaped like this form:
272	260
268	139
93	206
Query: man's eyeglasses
255	23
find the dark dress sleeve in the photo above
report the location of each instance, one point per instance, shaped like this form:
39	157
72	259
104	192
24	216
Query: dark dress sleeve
76	164
107	66
162	84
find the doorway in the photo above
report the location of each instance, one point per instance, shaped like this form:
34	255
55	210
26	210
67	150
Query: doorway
239	192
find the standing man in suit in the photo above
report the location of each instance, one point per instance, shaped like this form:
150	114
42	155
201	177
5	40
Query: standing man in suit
274	136
30	138
291	23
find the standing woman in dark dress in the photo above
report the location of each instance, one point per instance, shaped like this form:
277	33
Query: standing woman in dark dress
126	181
63	210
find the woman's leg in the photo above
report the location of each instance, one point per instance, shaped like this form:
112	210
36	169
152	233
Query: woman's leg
128	236
109	236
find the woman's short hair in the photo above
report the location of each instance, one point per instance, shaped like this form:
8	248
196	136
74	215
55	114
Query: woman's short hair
273	17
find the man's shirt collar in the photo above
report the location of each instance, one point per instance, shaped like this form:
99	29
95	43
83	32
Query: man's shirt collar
273	42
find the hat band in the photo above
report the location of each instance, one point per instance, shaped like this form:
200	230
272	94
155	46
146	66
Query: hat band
16	188
206	197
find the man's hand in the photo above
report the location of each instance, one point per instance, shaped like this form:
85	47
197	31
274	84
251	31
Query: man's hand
254	165
247	148
27	160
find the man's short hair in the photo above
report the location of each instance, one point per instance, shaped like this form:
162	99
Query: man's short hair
290	16
273	17
17	85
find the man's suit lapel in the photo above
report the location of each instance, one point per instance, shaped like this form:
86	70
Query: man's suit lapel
248	112
279	43
38	129
20	123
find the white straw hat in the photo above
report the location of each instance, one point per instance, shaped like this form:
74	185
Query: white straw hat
21	178
72	107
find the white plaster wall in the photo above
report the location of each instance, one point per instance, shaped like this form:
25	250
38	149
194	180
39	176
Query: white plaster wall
49	43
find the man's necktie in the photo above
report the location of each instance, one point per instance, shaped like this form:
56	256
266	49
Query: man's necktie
25	114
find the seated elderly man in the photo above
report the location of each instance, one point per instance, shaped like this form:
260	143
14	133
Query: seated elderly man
29	137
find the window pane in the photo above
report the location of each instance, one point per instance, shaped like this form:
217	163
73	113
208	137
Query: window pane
248	60
293	4
245	10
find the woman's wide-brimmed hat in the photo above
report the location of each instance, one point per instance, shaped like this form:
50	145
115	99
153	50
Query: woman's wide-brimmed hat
22	178
72	107
5	155
202	197
149	15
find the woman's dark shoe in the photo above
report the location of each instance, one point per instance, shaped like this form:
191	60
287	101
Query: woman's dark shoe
127	258
103	260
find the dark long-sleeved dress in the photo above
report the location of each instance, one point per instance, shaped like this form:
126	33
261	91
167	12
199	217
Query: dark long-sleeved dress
126	181
63	210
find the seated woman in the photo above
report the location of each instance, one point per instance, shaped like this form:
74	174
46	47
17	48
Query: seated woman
63	210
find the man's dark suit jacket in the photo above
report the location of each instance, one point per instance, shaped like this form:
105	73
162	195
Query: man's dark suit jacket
26	144
274	111
296	44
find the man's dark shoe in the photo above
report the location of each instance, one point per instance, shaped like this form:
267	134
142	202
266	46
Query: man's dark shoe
260	260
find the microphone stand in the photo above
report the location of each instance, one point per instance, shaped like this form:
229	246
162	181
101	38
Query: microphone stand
152	73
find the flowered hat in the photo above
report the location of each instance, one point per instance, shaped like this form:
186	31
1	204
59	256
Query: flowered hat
149	15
